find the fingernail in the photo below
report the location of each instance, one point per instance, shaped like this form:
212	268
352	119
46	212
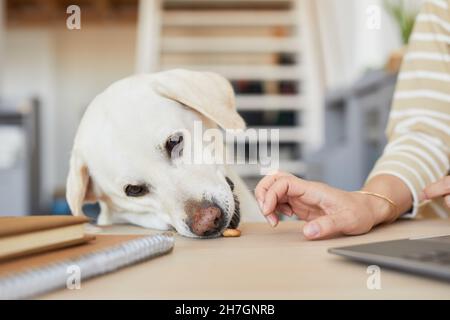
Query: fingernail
272	219
265	208
311	230
261	205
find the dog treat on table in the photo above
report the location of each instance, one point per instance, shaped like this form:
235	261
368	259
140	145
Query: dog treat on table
231	233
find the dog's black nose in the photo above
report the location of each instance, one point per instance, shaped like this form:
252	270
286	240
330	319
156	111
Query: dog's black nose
206	221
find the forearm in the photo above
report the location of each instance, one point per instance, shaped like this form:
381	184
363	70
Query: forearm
418	130
394	189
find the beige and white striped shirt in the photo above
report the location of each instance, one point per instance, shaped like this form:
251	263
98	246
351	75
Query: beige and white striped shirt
418	151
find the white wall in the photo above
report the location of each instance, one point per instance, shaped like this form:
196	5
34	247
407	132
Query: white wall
28	72
349	46
65	69
87	62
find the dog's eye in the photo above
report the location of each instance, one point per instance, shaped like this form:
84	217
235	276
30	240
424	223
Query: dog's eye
136	190
174	145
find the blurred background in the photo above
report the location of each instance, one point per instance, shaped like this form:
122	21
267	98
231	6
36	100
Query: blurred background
322	71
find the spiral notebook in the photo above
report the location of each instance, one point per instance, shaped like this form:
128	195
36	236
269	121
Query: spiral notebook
31	276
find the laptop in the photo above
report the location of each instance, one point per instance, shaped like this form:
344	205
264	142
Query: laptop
425	256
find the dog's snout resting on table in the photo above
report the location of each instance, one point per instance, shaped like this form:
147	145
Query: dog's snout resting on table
130	149
205	219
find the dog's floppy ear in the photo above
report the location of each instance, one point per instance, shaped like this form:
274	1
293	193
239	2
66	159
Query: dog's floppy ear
206	92
79	185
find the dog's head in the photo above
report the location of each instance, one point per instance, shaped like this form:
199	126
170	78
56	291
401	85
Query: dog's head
128	154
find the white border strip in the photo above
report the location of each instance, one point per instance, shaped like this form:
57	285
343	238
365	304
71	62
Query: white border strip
422	74
439	3
427	17
423	55
428	37
429	94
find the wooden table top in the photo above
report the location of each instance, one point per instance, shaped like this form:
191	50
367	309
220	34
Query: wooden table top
264	263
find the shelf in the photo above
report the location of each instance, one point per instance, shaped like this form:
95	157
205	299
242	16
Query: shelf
207	18
236	72
236	44
294	134
272	5
219	59
286	134
258	46
269	102
43	13
249	170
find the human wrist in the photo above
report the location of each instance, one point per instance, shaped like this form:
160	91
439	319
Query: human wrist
381	207
394	189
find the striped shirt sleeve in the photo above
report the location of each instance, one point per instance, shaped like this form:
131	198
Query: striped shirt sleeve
418	131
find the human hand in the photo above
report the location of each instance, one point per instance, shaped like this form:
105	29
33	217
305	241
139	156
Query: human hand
440	188
327	210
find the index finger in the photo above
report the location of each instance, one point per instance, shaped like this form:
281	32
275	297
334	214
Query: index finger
265	183
438	189
288	186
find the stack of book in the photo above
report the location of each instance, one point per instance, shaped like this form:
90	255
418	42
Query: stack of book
25	235
37	253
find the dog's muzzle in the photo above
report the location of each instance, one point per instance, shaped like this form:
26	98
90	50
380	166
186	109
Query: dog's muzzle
205	219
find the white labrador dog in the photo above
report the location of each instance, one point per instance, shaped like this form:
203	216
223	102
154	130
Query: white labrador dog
123	155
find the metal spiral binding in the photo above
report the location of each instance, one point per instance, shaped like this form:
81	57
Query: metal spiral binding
40	280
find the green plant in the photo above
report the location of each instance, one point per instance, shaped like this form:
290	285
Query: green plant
404	15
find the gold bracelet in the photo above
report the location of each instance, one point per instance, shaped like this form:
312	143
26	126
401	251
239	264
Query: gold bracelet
380	196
